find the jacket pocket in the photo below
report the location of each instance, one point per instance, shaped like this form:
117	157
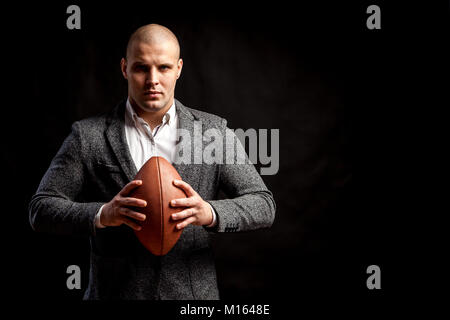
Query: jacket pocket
111	168
104	182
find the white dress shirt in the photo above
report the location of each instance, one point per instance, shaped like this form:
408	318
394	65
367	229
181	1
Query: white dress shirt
145	143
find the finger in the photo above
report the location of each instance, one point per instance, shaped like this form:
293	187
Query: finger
186	222
183	202
132	214
130	186
185	186
183	214
133	202
132	224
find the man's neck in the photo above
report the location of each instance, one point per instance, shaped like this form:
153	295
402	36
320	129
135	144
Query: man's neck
152	118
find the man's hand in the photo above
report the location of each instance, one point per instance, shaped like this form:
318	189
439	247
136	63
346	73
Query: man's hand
197	211
116	212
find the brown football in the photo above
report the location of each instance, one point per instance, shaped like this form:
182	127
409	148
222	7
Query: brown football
159	233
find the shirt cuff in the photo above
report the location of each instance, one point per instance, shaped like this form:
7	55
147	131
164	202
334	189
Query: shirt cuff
97	218
214	221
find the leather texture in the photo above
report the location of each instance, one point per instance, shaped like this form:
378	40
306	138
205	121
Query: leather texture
159	233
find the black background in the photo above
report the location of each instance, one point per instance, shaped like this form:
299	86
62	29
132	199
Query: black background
344	98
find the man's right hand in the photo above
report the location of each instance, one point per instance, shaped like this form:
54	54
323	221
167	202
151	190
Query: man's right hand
116	212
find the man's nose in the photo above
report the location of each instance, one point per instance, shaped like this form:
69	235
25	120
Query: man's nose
152	77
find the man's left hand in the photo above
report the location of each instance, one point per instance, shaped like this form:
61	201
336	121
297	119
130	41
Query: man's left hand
197	211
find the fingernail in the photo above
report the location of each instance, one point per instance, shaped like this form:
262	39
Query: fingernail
174	216
139	182
174	202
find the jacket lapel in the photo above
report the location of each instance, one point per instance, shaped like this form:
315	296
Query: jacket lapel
115	134
188	172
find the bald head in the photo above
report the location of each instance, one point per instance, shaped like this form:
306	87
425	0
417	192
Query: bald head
153	34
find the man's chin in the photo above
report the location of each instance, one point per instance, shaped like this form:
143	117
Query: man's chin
151	105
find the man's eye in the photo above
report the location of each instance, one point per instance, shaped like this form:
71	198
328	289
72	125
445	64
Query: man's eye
164	68
141	68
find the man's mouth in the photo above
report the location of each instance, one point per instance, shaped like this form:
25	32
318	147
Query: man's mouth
152	94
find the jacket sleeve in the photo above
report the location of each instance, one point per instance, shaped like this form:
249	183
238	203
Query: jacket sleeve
54	208
250	205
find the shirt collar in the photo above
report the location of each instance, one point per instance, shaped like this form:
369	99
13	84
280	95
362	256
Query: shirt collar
168	118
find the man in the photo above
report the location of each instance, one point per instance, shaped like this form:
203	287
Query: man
85	190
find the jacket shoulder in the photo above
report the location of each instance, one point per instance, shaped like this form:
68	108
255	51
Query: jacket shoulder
92	124
91	131
207	117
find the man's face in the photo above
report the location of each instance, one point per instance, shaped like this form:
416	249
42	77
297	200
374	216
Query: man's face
152	71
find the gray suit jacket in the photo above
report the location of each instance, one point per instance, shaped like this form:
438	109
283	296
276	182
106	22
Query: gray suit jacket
93	165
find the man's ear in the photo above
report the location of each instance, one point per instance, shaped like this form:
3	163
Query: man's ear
179	66
123	67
